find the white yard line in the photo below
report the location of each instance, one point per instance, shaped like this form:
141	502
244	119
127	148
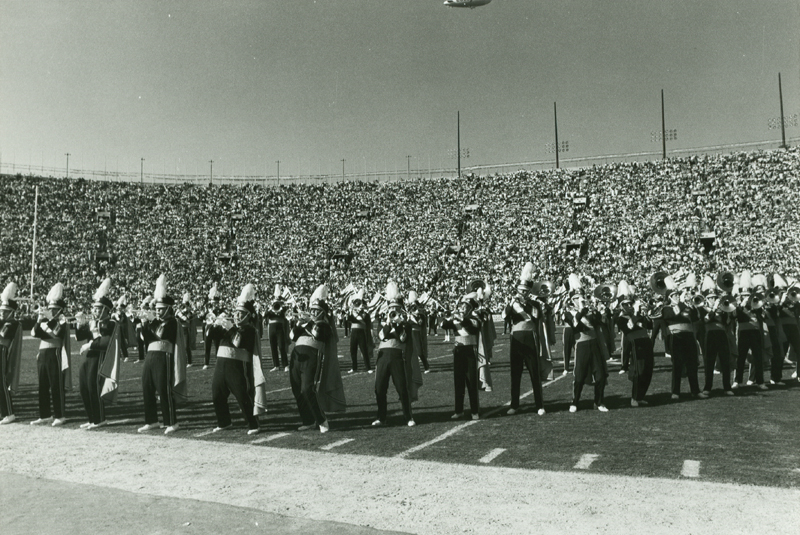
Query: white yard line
458	428
489	457
690	468
204	433
337	444
270	438
586	461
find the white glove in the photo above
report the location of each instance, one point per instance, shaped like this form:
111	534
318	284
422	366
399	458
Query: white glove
85	348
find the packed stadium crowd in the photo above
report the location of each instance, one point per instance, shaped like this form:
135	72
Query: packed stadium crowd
615	221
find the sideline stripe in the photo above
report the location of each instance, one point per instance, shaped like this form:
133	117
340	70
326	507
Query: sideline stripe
458	428
489	457
204	433
337	444
586	461
270	438
690	468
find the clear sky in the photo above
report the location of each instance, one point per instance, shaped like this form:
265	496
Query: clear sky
309	82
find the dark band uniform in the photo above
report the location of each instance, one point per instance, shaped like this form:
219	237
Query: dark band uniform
393	362
716	346
90	382
589	355
159	365
234	373
360	332
309	338
465	362
683	345
52	334
278	336
8	333
637	352
524	351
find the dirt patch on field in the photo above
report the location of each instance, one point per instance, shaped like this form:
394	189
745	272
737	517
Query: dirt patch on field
390	493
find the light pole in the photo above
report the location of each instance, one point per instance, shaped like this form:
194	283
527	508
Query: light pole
211	173
408	167
141	172
279	171
342	169
67	155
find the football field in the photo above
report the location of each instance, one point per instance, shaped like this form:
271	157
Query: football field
750	438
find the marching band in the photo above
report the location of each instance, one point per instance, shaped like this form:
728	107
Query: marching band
720	326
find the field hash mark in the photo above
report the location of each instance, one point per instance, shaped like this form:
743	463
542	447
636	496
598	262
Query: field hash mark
586	461
337	444
270	438
489	457
690	468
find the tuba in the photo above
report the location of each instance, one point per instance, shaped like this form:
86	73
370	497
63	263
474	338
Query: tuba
475	285
725	281
543	289
727	304
605	292
658	282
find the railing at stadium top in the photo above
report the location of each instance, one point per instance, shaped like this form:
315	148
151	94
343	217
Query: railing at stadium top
11	168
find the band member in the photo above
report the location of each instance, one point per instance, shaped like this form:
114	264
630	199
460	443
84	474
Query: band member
637	351
465	356
360	332
419	335
546	329
772	318
238	370
486	338
315	377
750	336
680	319
213	311
124	325
433	318
660	326
278	331
719	319
10	352
524	352
590	361
789	318
185	316
395	361
568	336
53	360
144	311
99	373
164	370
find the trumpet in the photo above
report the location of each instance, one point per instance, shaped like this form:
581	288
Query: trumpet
793	294
397	316
698	300
726	303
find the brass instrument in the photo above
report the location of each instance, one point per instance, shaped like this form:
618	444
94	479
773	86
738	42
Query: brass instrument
658	282
726	281
396	316
698	300
543	289
475	285
727	304
605	293
793	294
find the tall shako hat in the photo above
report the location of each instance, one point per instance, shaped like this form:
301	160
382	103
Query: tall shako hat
624	292
101	295
8	297
574	285
146	302
357	299
122	301
393	298
160	296
319	298
247	299
55	297
526	277
213	293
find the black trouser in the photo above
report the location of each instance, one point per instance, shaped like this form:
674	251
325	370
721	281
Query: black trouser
776	363
123	342
418	347
589	361
717	348
792	333
277	344
507	325
684	355
157	377
465	375
209	340
358	340
569	345
51	383
90	383
750	340
432	326
6	406
391	364
625	352
235	377
188	344
640	359
523	355
302	375
140	345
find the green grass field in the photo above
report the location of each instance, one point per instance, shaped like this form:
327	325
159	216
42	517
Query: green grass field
750	438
